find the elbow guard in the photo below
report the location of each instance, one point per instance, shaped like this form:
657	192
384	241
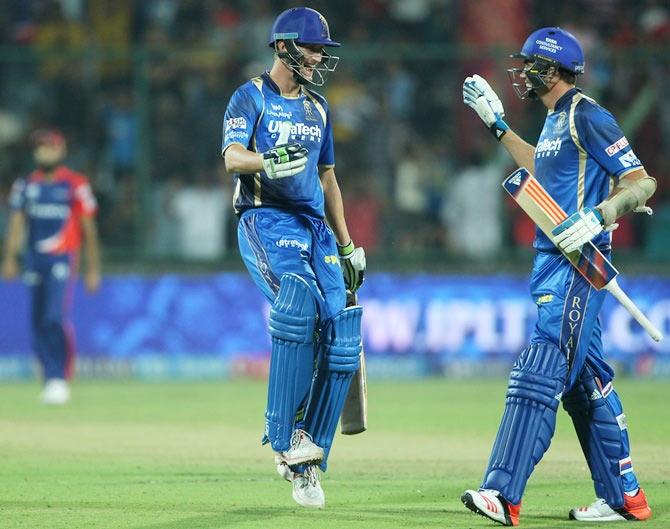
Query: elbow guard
631	196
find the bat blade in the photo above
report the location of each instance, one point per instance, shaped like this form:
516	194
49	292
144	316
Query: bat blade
547	214
588	260
354	419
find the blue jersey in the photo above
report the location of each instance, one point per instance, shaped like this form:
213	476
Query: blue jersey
253	119
581	149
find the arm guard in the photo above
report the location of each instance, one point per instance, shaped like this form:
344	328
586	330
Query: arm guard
631	196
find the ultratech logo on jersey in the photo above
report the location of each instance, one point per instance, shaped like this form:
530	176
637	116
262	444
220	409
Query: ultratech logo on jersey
298	130
548	147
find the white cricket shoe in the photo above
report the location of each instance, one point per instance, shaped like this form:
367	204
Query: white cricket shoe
283	469
490	504
634	508
56	392
307	489
302	450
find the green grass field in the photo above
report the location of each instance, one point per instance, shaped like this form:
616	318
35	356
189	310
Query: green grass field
187	456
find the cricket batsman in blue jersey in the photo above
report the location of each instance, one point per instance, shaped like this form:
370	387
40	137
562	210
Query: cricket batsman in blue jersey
581	154
293	238
53	209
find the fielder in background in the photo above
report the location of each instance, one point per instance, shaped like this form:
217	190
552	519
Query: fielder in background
278	146
51	207
580	150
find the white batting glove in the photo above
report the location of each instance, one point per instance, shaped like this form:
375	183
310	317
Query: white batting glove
353	264
284	160
479	96
578	229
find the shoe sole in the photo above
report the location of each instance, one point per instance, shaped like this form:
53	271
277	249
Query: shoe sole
469	502
310	459
619	516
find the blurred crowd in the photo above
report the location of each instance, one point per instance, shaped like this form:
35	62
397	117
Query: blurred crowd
139	89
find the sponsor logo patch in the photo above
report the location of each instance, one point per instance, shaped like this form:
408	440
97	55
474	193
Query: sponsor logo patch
621	143
623	423
549	44
291	243
236	123
236	134
546	298
629	160
278	111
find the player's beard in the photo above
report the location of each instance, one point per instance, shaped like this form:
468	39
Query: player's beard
47	167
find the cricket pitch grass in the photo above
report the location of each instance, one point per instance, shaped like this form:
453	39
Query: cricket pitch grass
126	454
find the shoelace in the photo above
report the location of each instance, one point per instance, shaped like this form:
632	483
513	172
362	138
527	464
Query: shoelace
297	436
312	475
598	503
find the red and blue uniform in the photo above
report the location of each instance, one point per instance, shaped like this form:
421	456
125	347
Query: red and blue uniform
53	208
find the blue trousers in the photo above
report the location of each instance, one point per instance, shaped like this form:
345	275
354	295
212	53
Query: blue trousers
567	315
273	242
50	279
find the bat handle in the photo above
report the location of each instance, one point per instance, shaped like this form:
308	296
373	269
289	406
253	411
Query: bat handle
614	289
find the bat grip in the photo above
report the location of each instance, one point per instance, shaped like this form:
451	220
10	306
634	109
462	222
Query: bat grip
613	288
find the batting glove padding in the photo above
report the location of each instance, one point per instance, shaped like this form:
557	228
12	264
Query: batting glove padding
479	96
578	229
284	160
352	260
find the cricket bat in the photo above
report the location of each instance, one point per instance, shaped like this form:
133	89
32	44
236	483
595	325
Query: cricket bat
588	260
355	411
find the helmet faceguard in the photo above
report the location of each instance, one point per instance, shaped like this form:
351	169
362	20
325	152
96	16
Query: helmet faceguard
537	72
545	52
294	60
302	26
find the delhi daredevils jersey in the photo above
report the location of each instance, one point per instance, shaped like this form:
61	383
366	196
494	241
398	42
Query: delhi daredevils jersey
53	209
253	119
580	149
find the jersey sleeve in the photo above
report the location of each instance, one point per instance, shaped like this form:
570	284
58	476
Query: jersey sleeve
85	203
240	119
603	140
327	154
17	195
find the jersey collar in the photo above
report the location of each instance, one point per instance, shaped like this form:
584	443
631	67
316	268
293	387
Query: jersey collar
566	98
273	86
38	175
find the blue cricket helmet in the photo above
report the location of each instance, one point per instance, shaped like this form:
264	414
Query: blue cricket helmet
554	45
302	25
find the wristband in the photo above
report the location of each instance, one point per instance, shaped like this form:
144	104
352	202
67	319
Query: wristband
499	129
346	249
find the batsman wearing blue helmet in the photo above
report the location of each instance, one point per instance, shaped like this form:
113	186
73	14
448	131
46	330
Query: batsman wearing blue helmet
581	154
293	238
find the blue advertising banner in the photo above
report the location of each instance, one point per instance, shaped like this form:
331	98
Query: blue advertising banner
215	326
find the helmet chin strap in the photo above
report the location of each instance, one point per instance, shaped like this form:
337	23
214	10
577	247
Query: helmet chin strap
293	59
